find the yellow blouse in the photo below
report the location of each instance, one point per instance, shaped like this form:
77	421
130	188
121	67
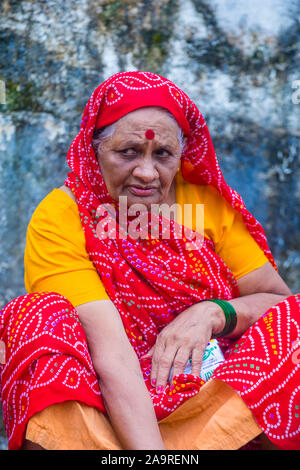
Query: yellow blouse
56	259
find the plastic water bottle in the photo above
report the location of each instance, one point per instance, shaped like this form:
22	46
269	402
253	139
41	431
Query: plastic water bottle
212	358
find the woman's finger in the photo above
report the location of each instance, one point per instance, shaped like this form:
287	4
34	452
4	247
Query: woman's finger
164	365
158	351
148	354
197	358
180	361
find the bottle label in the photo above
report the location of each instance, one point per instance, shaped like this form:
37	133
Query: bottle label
212	358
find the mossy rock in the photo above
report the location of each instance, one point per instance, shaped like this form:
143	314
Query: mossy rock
21	97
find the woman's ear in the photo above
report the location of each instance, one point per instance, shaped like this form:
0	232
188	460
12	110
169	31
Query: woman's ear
183	144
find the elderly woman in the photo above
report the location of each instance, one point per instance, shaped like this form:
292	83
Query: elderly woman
96	352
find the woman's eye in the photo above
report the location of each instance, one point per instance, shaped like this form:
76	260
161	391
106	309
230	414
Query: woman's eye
163	153
129	152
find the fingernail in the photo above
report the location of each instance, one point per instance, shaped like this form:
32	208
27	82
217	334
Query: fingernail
2	352
153	383
160	389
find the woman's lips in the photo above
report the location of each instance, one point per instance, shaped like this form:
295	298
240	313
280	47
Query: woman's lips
140	191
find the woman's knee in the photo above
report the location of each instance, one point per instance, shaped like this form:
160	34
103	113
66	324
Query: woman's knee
35	300
25	300
46	308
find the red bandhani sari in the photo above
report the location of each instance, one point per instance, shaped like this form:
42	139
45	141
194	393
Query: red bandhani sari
150	281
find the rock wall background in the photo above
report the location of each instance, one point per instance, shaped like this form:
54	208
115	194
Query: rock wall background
236	59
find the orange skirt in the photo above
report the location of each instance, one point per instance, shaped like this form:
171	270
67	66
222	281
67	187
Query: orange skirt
215	419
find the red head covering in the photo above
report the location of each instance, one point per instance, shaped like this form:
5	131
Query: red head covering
151	281
128	94
125	92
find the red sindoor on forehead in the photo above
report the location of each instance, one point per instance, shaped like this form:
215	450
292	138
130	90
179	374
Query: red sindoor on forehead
150	134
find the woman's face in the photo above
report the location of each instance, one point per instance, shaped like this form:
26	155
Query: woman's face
139	168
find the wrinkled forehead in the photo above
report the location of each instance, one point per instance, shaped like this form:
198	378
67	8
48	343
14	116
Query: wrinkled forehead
148	124
148	118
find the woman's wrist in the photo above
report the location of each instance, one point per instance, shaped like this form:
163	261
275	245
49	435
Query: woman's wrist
230	317
216	316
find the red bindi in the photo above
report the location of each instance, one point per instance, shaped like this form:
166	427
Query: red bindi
150	134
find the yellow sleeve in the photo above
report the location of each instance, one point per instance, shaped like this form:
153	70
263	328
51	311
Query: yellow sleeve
55	257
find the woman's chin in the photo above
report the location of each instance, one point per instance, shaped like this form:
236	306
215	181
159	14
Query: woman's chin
147	202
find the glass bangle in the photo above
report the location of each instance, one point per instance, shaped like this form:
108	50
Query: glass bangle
230	316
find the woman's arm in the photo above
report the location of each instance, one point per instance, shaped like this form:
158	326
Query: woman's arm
188	334
123	389
260	290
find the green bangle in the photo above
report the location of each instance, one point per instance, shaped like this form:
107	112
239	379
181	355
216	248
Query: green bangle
230	316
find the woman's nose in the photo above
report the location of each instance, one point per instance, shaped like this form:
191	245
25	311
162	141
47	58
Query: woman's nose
145	170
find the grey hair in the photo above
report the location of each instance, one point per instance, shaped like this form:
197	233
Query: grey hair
104	133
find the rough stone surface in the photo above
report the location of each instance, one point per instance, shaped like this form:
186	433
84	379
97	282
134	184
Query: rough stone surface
3	440
237	60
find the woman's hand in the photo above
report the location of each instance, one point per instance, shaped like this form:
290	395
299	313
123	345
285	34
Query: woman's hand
186	336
